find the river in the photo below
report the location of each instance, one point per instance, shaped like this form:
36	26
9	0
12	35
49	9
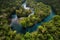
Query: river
18	27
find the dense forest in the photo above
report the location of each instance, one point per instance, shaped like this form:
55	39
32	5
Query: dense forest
27	19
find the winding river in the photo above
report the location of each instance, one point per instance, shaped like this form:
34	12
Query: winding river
15	26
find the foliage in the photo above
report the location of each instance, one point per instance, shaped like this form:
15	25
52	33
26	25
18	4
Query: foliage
47	31
41	11
55	4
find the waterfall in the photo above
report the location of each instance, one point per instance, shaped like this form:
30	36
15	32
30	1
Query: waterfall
27	8
24	5
15	25
14	19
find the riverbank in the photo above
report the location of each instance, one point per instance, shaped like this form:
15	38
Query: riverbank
21	29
